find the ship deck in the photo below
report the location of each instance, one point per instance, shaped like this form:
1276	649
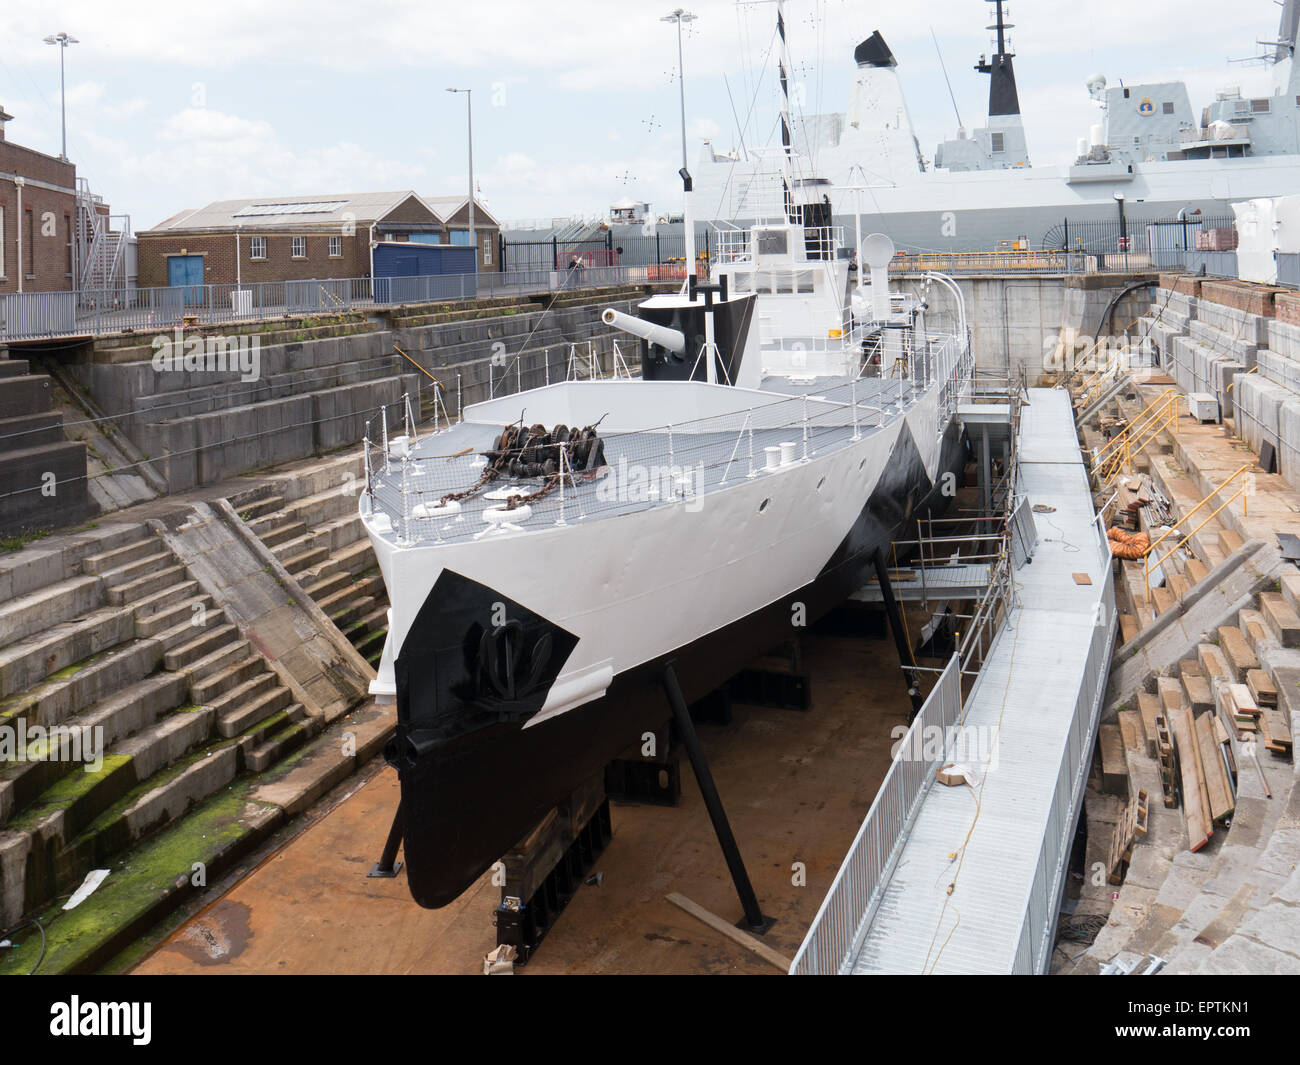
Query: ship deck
644	468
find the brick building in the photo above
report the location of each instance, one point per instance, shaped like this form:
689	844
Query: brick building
454	212
287	238
38	217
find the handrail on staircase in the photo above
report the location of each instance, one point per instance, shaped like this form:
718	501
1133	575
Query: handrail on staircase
1242	493
1118	454
1149	413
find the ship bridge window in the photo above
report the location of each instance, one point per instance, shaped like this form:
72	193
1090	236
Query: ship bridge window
1169	108
772	242
742	281
1261	107
998	142
803	281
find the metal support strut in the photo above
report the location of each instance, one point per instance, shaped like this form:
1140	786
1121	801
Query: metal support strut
896	627
753	921
388	866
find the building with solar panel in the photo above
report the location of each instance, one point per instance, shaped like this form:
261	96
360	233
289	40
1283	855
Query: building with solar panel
293	238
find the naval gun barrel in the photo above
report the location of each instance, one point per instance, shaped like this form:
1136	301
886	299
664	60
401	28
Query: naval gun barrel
656	334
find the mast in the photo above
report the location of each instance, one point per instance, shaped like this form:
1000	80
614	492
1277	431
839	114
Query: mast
787	140
1004	99
1286	34
688	185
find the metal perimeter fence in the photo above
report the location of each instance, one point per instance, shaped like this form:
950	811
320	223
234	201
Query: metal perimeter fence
41	315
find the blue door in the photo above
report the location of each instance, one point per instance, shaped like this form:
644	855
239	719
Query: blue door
186	271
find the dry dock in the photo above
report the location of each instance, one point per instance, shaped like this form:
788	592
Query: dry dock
796	786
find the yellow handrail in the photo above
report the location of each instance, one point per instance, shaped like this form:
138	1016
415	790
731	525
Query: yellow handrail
1133	442
1150	412
1124	459
1242	493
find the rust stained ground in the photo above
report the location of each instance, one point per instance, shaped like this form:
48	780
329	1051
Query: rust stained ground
796	787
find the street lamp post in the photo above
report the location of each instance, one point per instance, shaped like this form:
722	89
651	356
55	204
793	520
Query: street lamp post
469	115
679	16
688	188
62	40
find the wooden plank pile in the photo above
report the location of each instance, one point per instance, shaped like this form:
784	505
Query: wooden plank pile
1205	773
1132	826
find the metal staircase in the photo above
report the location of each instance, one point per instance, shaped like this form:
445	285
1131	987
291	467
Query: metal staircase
102	241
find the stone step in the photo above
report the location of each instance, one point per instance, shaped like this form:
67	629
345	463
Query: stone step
32	660
232	698
215	662
282	743
298	563
1162	599
55	603
357	557
72	690
205	644
280	533
313	574
155	560
145	586
1128	628
322	507
250	711
162	799
370	643
1212	663
372	586
136	707
229	675
1290	583
297	546
115	560
1255	628
186	631
153	603
179	612
1236	652
1197	688
1229	542
376	619
326	588
353	612
161	744
1196	571
259	511
1284	621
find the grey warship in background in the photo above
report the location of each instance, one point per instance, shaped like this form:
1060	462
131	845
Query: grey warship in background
1149	154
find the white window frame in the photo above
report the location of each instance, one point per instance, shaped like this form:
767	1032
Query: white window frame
294	244
254	243
487	249
3	274
997	143
336	247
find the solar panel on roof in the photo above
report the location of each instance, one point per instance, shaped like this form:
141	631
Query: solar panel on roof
261	209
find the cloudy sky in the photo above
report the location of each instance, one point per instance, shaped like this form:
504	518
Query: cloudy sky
174	104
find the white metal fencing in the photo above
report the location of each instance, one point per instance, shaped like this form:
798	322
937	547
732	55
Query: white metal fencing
832	941
1034	952
91	312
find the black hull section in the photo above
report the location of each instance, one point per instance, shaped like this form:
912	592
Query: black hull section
474	781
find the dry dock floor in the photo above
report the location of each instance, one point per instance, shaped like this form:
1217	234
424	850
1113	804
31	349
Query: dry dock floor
795	785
